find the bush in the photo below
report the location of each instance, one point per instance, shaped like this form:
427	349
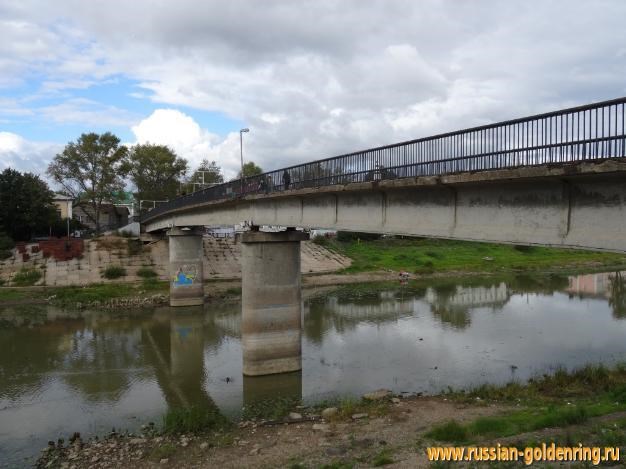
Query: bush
354	235
5	254
114	271
26	277
6	243
146	272
135	246
321	240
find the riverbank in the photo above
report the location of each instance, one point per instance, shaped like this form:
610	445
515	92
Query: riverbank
425	256
372	261
586	406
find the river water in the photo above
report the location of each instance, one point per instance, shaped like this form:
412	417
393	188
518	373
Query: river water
90	371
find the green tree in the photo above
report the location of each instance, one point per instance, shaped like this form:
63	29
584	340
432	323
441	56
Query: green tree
208	173
26	206
250	169
156	171
91	170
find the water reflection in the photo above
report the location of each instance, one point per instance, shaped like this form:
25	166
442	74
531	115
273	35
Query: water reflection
122	369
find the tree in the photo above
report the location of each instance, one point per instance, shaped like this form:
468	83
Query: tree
91	170
207	173
26	206
156	171
250	169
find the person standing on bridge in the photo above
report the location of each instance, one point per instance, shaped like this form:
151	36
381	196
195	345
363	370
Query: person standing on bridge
286	179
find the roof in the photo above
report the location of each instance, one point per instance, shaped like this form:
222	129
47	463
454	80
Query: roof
59	197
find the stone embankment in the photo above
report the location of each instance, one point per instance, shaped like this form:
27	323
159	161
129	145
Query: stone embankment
84	262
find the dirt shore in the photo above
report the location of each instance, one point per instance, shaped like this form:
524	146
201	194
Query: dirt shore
397	435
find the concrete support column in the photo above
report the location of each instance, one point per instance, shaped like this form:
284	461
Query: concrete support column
185	267
271	302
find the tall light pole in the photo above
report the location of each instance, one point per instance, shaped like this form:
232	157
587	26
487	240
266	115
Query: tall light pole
241	132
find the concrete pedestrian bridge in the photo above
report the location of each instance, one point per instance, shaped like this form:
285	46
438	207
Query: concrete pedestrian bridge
554	179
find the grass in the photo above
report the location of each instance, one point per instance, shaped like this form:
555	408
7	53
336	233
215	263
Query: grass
91	293
382	458
114	271
163	451
154	285
552	401
146	272
194	420
67	296
26	277
590	382
424	255
270	409
348	406
514	423
9	294
233	291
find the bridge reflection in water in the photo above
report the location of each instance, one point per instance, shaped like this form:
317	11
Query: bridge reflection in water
120	370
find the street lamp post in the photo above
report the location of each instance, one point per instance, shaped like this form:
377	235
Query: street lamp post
241	132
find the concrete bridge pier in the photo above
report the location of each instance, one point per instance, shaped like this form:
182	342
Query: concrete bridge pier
271	318
185	247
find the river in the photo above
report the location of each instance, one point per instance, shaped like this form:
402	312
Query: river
90	371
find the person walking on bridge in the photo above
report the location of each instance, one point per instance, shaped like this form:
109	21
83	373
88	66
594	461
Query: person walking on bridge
286	179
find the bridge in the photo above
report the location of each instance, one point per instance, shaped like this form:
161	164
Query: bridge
553	179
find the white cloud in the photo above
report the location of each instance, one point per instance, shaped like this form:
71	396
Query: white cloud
88	113
317	78
182	133
18	153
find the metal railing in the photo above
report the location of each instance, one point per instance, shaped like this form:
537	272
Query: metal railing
593	131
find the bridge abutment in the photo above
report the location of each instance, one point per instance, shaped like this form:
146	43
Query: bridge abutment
185	248
271	302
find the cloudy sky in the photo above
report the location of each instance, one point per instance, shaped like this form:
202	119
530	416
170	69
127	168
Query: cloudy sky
310	79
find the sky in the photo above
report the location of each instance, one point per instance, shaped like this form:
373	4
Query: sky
310	79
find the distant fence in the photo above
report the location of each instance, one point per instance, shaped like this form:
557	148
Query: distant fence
594	131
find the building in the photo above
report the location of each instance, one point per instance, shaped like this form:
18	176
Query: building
111	217
63	205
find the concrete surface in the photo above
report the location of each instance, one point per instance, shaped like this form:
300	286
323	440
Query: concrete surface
186	271
577	205
271	302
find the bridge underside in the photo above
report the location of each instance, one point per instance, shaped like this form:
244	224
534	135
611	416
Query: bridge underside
577	205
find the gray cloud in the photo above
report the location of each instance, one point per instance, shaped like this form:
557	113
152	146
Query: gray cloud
317	78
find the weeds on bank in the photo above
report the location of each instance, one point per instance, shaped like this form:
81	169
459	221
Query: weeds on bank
8	294
194	420
153	284
146	272
589	381
91	293
270	409
163	451
27	277
382	458
342	464
348	406
523	421
593	390
114	271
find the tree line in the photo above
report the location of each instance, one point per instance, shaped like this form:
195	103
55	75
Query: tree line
93	171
